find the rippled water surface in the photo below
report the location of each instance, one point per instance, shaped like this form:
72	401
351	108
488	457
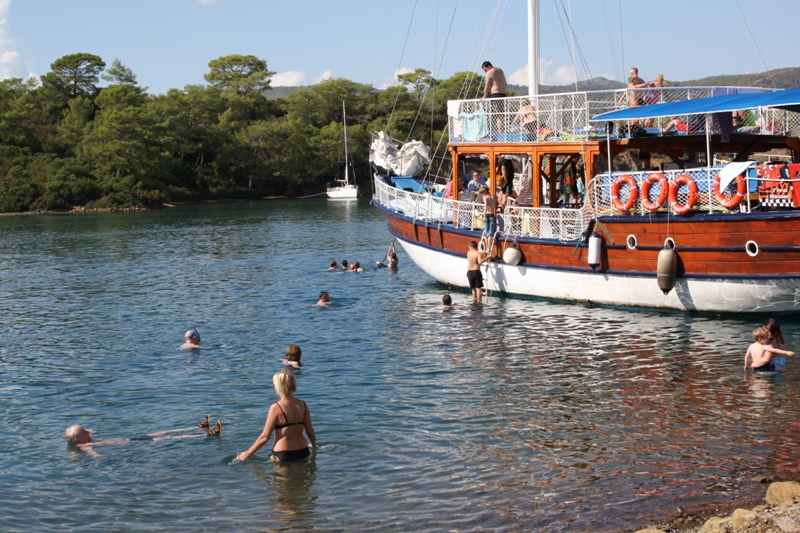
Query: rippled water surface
516	414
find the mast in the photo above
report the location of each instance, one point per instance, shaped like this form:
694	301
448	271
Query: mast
533	47
346	153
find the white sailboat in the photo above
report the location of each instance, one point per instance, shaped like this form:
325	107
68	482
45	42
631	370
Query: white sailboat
343	189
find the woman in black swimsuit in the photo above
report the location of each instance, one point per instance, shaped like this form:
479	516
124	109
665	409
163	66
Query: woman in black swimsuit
287	418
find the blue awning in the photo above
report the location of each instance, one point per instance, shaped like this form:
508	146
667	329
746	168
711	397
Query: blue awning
788	100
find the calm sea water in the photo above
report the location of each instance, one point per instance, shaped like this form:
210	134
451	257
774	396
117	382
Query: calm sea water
516	414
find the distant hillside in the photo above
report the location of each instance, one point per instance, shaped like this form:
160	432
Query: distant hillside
783	78
595	84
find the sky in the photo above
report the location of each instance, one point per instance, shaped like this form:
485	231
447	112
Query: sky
169	43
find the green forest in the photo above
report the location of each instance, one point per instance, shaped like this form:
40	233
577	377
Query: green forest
66	142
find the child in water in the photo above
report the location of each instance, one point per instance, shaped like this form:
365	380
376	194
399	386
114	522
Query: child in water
324	299
293	354
761	352
776	340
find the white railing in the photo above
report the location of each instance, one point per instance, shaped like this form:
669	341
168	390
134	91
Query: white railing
534	222
760	191
565	116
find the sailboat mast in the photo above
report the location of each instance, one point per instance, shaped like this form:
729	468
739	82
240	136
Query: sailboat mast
346	153
533	47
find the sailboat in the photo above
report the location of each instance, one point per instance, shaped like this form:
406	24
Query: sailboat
686	234
343	189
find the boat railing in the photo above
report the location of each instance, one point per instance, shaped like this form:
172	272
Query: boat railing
693	192
566	116
533	222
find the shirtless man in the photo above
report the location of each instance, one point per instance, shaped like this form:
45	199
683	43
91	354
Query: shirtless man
192	339
496	87
81	439
474	274
489	212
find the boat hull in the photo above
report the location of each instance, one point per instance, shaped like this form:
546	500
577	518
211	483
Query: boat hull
715	272
346	192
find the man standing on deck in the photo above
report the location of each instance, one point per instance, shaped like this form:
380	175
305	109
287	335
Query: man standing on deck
474	274
496	87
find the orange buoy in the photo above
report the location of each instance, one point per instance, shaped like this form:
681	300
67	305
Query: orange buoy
659	178
724	201
682	179
625	178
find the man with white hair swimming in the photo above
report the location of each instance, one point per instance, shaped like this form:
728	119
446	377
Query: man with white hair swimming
81	439
192	340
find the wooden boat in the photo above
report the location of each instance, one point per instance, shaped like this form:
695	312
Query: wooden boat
731	246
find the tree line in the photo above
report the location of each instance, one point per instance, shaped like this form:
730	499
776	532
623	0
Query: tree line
66	142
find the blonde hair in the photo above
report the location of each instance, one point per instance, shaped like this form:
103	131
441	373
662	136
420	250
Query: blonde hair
293	353
284	383
72	433
660	77
760	333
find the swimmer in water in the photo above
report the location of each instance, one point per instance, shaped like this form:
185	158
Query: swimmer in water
293	354
287	419
324	299
192	340
81	439
356	267
344	264
447	301
333	266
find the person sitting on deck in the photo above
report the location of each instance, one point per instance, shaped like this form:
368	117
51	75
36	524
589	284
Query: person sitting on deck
448	190
476	182
676	123
527	117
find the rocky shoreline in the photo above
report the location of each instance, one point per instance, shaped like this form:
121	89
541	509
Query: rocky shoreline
780	514
80	210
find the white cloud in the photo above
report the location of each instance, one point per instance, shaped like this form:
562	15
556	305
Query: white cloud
11	65
328	74
402	71
292	78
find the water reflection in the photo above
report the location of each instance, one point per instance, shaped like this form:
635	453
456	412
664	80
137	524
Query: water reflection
510	415
289	485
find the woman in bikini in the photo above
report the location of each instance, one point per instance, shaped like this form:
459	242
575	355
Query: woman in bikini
288	417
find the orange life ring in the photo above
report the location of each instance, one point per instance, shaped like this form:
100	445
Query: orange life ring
651	179
625	178
730	203
682	179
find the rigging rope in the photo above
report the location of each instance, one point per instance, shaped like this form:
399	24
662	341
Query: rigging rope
755	43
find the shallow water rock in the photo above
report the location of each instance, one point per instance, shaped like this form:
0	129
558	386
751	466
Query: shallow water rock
741	518
713	525
782	491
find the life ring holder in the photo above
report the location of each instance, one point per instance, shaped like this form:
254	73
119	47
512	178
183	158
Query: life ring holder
659	178
618	205
682	179
724	201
